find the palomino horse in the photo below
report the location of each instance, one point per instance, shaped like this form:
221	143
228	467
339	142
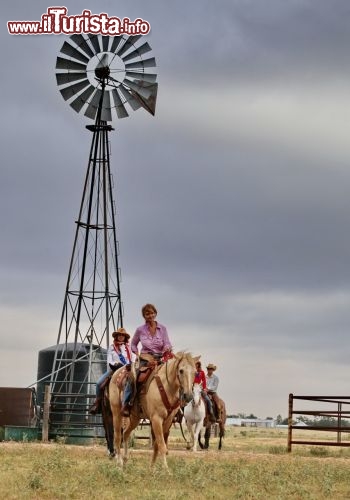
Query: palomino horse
194	413
158	401
208	424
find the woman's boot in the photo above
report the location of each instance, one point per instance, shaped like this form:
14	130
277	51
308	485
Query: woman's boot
96	407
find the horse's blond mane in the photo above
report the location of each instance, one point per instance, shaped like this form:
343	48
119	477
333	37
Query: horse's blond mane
177	358
183	354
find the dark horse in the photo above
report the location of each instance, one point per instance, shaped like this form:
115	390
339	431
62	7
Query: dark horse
107	419
207	424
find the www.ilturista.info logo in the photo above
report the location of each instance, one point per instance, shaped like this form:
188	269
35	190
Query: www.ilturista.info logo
56	21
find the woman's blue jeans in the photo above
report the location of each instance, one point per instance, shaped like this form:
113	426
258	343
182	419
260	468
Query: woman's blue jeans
100	382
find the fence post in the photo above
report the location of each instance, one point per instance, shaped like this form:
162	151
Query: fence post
339	423
290	421
46	413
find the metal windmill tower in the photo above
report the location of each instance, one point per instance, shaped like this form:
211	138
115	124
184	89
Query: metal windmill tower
102	77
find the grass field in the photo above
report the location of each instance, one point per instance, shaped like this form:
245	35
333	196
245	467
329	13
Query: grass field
254	463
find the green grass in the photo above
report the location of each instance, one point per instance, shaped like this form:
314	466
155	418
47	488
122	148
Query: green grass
253	465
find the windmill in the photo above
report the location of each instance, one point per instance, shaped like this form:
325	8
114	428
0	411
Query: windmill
104	78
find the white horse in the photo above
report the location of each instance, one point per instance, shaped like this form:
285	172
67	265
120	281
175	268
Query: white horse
194	413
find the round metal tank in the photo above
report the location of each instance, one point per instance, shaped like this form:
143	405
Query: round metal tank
70	398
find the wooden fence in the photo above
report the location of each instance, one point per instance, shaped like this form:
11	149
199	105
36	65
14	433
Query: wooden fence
336	408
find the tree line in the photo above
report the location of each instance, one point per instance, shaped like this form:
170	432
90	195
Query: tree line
315	422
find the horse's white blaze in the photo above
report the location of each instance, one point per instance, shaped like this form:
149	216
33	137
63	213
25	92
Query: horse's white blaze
194	413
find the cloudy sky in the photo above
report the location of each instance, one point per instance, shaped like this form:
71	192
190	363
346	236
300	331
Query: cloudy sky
233	201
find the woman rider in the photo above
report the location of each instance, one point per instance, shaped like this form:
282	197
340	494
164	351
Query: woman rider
118	354
154	341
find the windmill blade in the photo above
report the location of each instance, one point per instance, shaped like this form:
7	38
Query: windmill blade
119	106
106	113
133	39
95	43
128	44
147	77
91	110
82	44
105	43
150	103
143	49
114	80
145	63
79	102
62	63
72	52
74	89
130	99
63	78
140	89
115	43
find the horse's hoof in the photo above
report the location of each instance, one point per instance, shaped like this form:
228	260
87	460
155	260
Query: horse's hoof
111	455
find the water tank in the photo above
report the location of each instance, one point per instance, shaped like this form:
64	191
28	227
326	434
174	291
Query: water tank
67	394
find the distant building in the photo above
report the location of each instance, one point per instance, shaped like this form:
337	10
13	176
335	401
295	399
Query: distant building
251	422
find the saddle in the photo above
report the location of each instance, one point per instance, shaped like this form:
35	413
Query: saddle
106	382
217	409
121	378
149	363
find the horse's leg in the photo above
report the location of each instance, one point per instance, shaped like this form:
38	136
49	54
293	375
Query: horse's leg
166	437
207	437
166	431
131	425
220	442
201	445
159	442
221	434
197	429
190	430
108	425
117	437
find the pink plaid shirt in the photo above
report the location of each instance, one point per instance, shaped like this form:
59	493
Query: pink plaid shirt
151	344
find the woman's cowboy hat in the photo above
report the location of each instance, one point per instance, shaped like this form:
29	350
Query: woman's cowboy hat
211	367
121	331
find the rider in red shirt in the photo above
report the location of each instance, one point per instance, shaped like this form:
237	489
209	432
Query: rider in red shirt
199	378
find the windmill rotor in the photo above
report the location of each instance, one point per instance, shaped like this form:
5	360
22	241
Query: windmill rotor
114	69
